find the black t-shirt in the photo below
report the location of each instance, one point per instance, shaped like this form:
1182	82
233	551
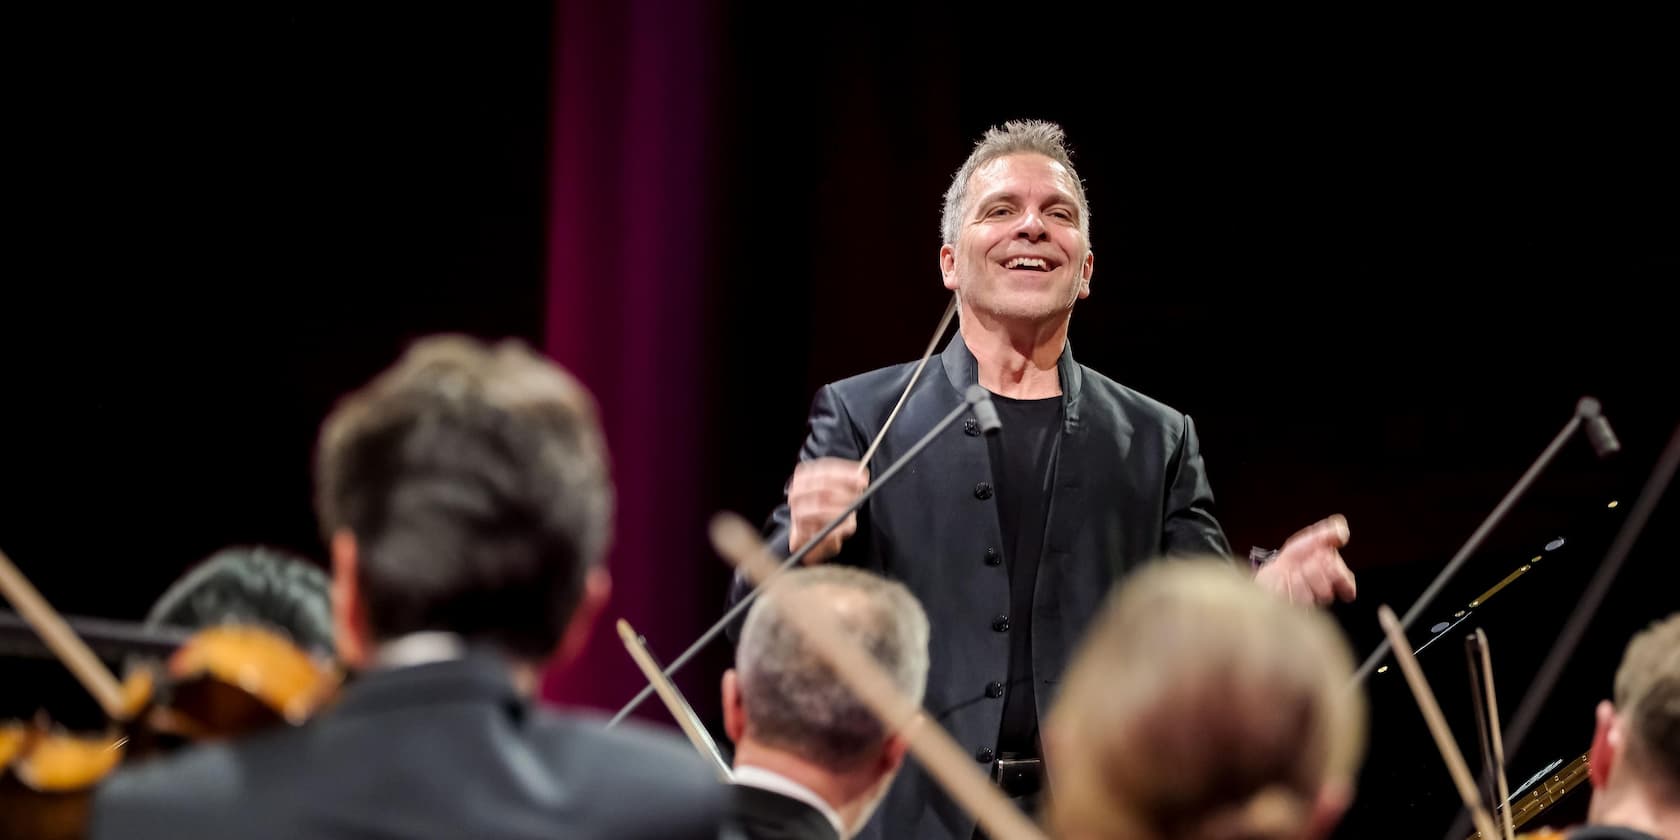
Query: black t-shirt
1028	444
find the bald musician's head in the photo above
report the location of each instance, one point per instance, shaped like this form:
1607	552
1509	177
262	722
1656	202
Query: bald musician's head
466	489
788	712
1200	706
1635	759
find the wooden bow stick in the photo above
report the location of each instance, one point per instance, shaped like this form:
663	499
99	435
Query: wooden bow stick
1496	747
1437	723
674	701
739	543
69	647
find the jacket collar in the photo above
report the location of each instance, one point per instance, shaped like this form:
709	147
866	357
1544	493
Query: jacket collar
963	370
478	676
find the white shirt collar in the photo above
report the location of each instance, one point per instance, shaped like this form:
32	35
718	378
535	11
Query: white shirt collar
419	649
758	777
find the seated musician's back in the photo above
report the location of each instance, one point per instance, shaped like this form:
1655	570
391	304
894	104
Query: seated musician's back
466	499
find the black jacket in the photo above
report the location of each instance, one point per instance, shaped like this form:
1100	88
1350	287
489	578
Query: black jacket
1129	484
439	750
766	815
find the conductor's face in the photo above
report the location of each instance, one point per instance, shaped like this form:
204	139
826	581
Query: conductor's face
1021	252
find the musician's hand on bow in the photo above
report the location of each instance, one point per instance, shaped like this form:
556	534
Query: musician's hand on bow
1309	568
820	490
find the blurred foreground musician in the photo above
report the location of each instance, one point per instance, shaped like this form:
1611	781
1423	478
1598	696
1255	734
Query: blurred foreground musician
1635	756
1202	707
256	585
811	760
466	499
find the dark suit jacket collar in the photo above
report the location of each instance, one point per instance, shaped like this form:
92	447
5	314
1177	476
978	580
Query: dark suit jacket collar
963	370
767	814
480	676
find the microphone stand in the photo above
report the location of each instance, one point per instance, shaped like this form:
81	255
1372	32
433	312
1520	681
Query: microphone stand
1603	442
1552	668
976	399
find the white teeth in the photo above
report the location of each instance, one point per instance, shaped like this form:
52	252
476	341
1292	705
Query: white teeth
1020	262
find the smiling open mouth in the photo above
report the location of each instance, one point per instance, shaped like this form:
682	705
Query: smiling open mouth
1029	264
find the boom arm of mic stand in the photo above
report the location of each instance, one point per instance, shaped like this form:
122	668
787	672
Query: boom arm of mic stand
1585	409
975	398
1552	668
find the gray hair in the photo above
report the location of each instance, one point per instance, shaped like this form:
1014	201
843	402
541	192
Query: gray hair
793	701
1015	137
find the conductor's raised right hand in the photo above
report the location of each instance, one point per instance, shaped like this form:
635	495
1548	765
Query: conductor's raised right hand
820	490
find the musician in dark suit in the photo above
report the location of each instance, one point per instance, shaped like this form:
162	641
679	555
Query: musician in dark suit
466	499
1634	764
1010	542
811	760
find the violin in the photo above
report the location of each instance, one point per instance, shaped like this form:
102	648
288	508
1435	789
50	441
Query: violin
220	682
234	679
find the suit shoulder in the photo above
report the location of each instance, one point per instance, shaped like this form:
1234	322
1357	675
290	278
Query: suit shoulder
204	780
633	756
889	379
1137	406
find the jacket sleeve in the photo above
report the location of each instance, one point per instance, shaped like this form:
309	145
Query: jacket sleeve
832	434
1190	526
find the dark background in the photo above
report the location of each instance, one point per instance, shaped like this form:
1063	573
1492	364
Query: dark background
1377	259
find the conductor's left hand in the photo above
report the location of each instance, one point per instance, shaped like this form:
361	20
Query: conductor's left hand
1309	568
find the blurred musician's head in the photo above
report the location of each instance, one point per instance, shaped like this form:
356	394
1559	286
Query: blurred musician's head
1200	706
465	490
1635	759
788	713
252	585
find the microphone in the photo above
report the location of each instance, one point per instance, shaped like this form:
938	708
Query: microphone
1604	443
1598	429
985	413
1528	711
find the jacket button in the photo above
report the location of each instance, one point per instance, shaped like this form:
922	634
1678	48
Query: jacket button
992	557
971	427
985	755
994	689
1001	623
982	491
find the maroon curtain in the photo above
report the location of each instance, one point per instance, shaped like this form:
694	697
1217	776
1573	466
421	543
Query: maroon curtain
625	289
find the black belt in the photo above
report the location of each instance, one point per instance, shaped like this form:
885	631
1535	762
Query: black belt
1018	776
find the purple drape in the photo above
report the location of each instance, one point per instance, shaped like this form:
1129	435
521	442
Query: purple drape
625	282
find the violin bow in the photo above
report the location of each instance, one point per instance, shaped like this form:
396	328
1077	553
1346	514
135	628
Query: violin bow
1587	415
740	544
1487	722
944	321
1552	668
674	701
63	641
1437	723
